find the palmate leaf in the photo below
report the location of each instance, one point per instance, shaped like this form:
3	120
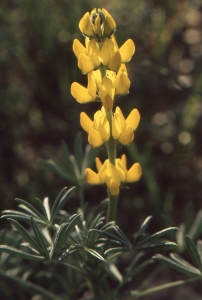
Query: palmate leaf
63	234
19	216
30	208
160	245
19	253
110	236
186	269
27	237
144	225
71	250
60	201
156	235
39	238
193	252
95	254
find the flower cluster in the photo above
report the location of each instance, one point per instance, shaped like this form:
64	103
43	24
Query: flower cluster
104	63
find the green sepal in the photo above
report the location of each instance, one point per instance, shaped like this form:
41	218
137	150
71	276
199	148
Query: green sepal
19	253
193	252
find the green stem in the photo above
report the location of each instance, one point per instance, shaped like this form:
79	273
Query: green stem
111	149
112	207
137	294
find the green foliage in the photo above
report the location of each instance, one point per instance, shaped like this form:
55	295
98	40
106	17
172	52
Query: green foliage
82	242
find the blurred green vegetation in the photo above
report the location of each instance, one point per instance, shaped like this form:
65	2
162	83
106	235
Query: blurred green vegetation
37	110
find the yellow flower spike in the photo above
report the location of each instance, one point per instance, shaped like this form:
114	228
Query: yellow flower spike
127	50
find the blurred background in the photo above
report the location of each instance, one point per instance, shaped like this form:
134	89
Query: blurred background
37	110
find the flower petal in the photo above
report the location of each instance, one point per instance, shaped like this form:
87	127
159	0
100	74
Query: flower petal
126	137
85	64
94	138
78	48
127	50
98	163
80	93
86	26
115	62
123	85
134	173
114	188
133	119
92	177
86	122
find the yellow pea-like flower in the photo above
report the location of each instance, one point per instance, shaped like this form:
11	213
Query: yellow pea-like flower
113	175
98	129
123	129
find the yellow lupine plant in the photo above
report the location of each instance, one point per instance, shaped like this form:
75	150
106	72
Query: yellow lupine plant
104	63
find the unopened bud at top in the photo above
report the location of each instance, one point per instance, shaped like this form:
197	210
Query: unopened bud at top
97	25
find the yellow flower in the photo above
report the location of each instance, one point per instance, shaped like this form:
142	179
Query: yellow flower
110	55
98	130
123	129
112	175
102	89
98	25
